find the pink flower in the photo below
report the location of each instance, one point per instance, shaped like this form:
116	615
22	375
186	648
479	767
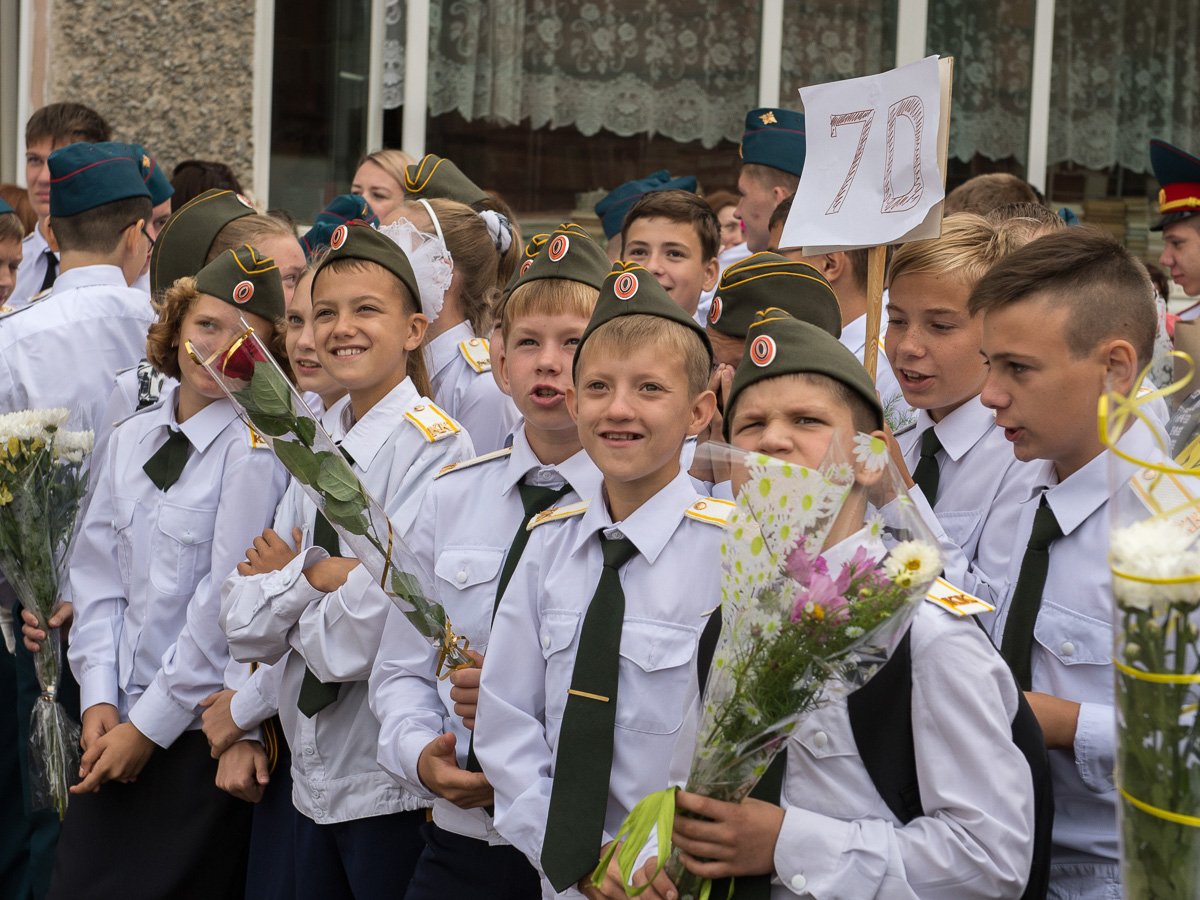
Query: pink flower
820	596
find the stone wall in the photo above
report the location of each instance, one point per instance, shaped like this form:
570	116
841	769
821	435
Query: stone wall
174	75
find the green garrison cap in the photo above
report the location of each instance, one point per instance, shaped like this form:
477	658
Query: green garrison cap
358	240
532	248
764	280
184	242
435	177
84	176
243	278
775	138
777	344
630	290
156	180
569	254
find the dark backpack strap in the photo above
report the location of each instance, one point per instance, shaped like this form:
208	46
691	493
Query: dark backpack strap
881	720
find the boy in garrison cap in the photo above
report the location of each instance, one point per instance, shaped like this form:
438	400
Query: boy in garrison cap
48	129
1178	173
570	732
847	811
425	725
612	209
772	155
183	490
99	209
160	190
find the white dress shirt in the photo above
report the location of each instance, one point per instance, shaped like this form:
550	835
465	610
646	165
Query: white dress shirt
65	350
854	338
280	618
1073	640
471	398
670	587
147	567
462	535
32	270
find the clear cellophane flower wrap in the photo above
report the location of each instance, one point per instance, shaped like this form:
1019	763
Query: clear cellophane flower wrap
42	482
271	406
1154	556
821	572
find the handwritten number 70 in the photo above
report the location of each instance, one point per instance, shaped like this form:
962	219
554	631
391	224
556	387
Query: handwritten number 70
909	108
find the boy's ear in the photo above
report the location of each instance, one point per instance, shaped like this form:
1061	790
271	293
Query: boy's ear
712	272
703	408
572	404
1121	364
833	265
51	239
500	362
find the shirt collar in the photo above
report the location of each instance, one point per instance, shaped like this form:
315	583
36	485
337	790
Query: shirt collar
90	276
650	526
577	470
365	438
440	352
854	334
962	429
1085	491
34	243
201	429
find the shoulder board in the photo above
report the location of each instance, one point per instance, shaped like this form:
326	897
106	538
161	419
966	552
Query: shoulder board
904	430
255	440
955	600
1146	389
431	421
711	510
468	463
6	311
558	513
477	353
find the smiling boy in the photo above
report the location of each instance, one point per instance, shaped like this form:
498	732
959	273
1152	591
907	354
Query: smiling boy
425	724
599	625
674	235
1062	316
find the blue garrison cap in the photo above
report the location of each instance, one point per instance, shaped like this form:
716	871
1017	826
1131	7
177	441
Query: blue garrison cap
5	208
1178	174
617	203
774	137
156	180
341	209
84	176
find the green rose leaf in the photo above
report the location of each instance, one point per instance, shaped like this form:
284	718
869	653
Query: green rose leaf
306	430
337	479
298	460
349	514
272	426
269	393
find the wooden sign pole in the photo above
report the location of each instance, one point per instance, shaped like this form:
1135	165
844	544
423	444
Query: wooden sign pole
876	261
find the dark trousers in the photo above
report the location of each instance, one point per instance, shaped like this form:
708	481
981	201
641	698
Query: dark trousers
453	865
271	870
363	859
172	834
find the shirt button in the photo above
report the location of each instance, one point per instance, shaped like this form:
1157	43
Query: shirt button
316	795
545	642
799	883
1068	649
309	751
820	739
461	577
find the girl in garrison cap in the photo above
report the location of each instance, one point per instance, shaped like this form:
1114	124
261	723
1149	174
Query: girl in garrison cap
182	492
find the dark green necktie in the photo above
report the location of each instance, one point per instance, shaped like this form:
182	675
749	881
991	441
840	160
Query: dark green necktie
166	465
535	500
51	271
927	472
1017	644
583	762
316	694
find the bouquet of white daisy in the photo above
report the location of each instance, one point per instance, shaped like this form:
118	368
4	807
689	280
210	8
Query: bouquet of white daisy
42	481
1154	556
822	569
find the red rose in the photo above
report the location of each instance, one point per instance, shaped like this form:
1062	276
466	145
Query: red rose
239	364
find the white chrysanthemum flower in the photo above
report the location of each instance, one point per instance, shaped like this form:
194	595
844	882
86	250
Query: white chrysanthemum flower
912	562
1159	550
73	446
870	452
31	424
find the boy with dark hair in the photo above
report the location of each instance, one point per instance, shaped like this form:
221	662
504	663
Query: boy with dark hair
48	129
600	622
1062	317
675	236
613	207
1178	172
772	152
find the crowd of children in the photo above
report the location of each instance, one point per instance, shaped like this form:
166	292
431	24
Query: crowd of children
259	719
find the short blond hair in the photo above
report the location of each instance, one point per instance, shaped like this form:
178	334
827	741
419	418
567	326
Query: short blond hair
626	334
546	297
967	248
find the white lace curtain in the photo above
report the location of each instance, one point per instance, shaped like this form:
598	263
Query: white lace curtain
1124	72
827	40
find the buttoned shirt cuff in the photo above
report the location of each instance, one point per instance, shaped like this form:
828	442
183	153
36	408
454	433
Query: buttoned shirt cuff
408	754
248	708
98	685
159	717
1095	746
811	857
288	591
